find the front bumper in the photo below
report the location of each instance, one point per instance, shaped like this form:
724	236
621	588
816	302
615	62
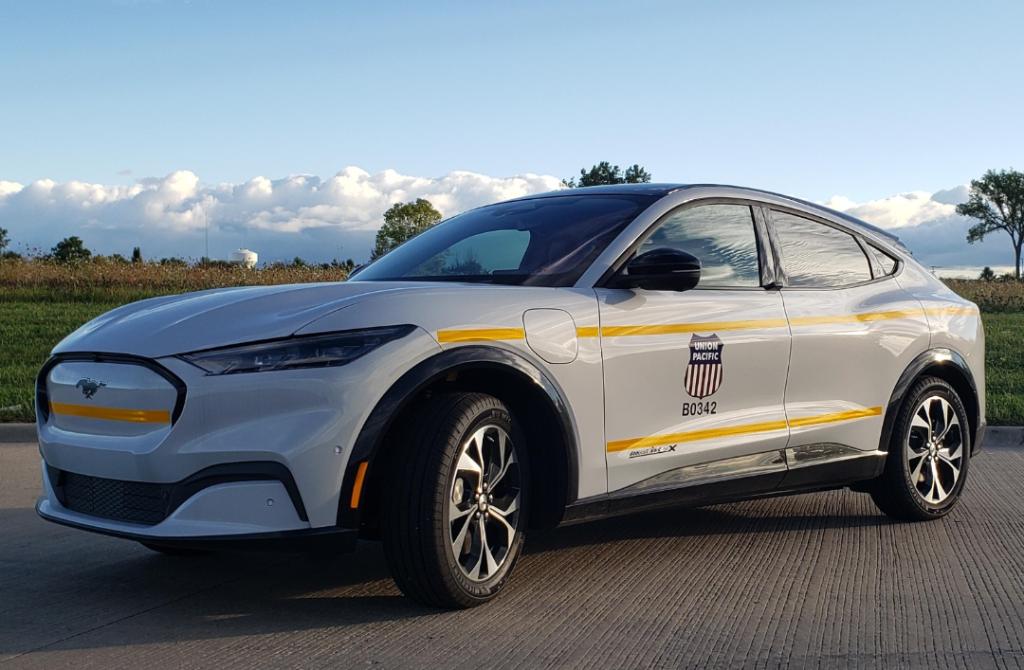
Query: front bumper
236	500
335	539
246	456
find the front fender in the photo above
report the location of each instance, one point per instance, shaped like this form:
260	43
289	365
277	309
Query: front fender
430	371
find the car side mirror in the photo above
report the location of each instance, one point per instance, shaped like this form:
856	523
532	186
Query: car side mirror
660	269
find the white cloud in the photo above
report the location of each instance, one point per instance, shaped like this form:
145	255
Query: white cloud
897	211
930	227
323	218
297	215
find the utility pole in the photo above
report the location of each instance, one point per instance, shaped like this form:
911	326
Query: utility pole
206	222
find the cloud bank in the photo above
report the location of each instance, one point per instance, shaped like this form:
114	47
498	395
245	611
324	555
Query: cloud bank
301	215
930	227
336	217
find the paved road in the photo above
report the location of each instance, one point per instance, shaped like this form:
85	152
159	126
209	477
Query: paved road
812	580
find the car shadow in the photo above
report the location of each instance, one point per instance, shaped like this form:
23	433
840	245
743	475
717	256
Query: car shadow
744	518
70	581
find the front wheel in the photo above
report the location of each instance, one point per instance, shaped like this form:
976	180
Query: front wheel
929	454
455	515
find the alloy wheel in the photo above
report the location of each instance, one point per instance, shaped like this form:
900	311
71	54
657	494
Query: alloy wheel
935	449
484	503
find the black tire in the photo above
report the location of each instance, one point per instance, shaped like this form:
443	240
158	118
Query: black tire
894	491
416	530
170	550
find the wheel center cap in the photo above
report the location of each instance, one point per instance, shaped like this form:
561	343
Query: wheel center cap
482	504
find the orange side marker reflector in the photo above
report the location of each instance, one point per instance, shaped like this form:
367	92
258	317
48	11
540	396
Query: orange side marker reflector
357	488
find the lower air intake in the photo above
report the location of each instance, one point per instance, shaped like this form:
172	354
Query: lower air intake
135	502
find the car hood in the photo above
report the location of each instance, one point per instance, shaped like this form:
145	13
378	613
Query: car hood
178	324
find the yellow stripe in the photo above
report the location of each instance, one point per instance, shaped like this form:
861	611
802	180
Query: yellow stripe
865	317
755	324
680	328
112	413
693	435
480	334
487	334
741	429
951	311
832	418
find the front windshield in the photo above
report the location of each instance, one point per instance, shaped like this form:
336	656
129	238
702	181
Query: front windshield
540	242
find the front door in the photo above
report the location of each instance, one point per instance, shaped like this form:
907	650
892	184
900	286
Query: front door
695	380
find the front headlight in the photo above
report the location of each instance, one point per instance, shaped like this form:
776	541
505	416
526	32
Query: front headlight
315	351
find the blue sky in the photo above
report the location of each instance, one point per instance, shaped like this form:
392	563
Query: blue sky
864	100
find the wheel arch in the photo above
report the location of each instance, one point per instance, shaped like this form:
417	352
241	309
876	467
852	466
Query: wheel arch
951	367
508	376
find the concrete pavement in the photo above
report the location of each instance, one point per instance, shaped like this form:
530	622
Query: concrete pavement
812	580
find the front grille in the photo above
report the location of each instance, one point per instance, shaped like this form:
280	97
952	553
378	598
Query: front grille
136	502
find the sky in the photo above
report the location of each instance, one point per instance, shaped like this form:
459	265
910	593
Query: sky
290	126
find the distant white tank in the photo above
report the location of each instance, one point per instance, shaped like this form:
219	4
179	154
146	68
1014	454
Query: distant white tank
245	257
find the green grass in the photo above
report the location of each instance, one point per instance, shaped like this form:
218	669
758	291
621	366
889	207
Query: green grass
1004	368
28	330
32	322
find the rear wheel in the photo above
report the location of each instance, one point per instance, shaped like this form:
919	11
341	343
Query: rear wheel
929	454
453	526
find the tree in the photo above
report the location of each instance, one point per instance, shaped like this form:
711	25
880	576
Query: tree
402	222
606	173
174	262
987	274
637	175
997	202
4	239
136	255
70	250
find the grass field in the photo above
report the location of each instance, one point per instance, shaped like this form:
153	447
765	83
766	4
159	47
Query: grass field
36	312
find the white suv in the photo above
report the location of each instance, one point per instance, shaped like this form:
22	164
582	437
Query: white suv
531	363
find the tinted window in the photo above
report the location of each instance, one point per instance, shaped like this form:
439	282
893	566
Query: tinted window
884	263
498	251
814	254
539	242
721	236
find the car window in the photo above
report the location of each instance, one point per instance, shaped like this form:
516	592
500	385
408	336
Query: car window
885	264
496	251
721	236
535	242
817	255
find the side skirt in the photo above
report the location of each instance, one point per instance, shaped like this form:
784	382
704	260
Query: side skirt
793	470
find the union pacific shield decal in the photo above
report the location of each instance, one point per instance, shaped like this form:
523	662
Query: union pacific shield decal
704	372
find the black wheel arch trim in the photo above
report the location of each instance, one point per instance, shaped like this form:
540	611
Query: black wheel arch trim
941	357
426	373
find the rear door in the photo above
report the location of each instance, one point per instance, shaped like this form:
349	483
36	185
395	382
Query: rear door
855	330
695	380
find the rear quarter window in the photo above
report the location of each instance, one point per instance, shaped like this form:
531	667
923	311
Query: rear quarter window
884	264
815	255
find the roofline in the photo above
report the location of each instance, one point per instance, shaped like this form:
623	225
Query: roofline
661	190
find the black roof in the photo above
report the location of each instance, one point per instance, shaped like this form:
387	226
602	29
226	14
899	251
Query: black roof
611	189
659	190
